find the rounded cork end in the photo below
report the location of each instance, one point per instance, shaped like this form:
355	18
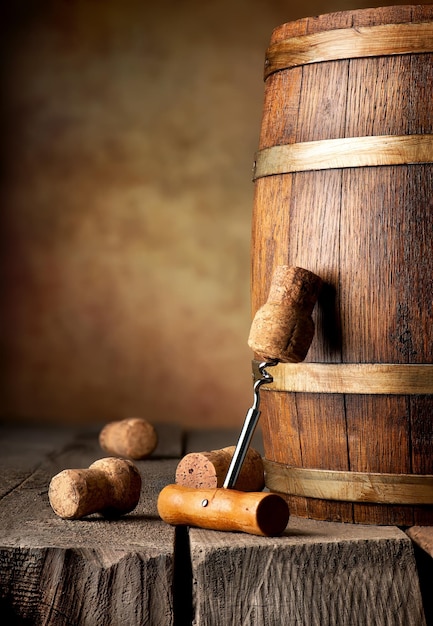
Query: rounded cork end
67	492
207	470
272	515
281	334
296	287
197	470
134	437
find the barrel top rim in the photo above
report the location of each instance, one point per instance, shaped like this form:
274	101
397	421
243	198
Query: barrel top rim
371	16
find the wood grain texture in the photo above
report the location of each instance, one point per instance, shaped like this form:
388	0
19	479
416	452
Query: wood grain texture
95	573
316	574
23	448
350	486
367	232
349	43
329	154
89	571
423	537
261	513
358	378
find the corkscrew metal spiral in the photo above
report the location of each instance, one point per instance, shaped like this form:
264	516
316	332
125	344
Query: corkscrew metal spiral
250	423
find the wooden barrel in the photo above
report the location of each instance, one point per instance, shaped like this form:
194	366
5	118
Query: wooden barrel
344	188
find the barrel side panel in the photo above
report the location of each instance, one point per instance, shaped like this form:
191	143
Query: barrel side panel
368	233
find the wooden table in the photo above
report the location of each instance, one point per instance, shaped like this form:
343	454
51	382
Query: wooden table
138	570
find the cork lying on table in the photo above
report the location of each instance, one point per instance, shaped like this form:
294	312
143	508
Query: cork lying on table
208	470
109	486
134	437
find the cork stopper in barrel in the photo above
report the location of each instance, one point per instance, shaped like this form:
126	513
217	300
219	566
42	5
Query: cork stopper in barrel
282	328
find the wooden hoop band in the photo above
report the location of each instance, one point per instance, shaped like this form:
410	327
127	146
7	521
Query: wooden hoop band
349	43
410	489
352	378
342	153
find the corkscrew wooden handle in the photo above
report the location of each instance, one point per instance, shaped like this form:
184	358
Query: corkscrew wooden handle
260	513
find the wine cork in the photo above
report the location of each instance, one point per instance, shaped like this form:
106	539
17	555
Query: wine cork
283	328
134	438
208	470
110	486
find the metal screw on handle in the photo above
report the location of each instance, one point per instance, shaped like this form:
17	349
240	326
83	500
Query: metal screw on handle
249	426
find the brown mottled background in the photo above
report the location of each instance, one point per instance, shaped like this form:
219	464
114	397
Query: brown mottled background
128	130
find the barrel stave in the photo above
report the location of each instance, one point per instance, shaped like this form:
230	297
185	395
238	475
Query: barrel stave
368	232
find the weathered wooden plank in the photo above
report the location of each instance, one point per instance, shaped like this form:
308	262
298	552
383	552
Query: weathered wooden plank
317	573
90	571
94	571
423	537
23	448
